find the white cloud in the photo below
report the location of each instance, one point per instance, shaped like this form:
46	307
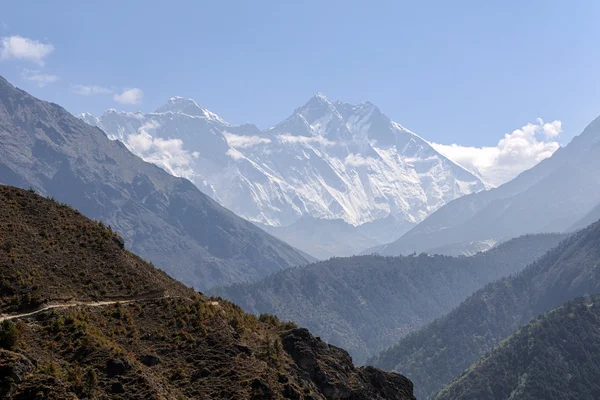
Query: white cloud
305	139
235	154
129	96
85	90
38	78
242	142
20	48
355	160
515	152
166	153
552	129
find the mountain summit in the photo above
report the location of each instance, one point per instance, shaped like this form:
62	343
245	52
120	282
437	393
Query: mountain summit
182	105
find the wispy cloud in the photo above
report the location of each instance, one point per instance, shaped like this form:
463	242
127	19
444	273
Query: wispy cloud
515	152
129	96
305	139
355	160
235	154
242	142
90	90
166	153
38	78
21	48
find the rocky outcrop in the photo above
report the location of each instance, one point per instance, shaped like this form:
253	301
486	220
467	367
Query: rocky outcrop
14	368
332	371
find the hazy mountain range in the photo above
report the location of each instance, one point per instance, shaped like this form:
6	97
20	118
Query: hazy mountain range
553	357
327	161
367	303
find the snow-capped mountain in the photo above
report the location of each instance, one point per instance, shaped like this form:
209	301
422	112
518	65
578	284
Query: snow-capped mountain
328	160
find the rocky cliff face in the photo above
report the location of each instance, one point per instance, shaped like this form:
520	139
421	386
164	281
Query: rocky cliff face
321	363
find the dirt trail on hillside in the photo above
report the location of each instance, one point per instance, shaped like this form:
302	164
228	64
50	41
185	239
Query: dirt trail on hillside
60	306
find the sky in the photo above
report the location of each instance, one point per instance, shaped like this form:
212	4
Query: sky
466	73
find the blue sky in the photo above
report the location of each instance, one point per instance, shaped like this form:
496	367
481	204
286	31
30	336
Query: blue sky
463	72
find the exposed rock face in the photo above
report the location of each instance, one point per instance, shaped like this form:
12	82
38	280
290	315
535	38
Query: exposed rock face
14	368
334	374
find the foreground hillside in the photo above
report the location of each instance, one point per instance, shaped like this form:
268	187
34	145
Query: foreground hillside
164	219
435	355
554	357
120	328
367	303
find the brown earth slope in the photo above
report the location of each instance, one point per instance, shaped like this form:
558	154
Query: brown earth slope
51	252
162	342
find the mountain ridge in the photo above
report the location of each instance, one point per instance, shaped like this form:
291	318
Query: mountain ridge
326	161
552	357
366	303
163	218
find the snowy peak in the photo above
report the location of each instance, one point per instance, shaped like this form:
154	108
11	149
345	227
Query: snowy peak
337	121
179	104
314	118
319	103
343	123
182	105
